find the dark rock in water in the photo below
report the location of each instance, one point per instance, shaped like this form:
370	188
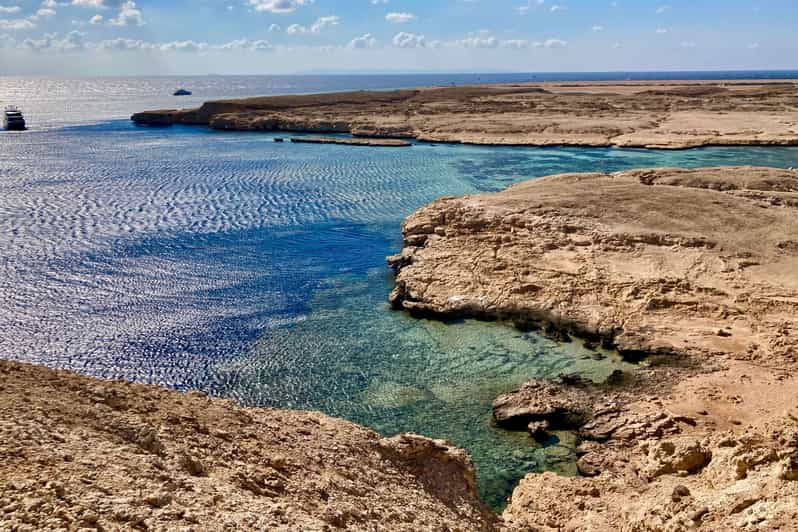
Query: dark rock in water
154	119
182	92
353	141
616	378
278	139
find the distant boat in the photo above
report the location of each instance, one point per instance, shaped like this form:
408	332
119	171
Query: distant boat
182	92
13	119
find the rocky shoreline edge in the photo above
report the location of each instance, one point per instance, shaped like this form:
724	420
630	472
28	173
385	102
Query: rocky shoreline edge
78	453
690	271
660	115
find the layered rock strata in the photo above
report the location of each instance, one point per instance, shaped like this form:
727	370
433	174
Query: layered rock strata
670	115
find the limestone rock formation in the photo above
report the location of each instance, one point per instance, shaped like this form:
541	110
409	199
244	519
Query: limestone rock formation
648	261
79	453
667	115
556	404
691	271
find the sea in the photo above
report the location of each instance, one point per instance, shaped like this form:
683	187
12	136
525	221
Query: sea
254	270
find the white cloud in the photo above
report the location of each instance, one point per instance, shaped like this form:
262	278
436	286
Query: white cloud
523	10
183	46
551	43
478	42
317	27
400	18
515	43
16	24
128	15
74	40
278	6
96	19
246	45
408	40
365	41
10	9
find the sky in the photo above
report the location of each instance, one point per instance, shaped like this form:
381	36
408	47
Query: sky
181	37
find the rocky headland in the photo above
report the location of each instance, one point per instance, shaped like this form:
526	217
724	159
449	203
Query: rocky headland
692	272
668	115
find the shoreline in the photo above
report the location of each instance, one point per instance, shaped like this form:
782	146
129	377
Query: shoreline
700	435
652	115
705	433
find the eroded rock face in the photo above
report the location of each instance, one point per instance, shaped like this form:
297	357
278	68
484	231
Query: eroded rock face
651	261
668	457
696	266
79	453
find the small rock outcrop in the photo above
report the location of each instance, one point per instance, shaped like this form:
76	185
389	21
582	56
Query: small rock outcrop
353	141
555	404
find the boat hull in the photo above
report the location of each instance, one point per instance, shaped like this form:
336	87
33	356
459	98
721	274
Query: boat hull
15	126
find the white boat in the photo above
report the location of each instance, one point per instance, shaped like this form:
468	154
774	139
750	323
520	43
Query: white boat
13	119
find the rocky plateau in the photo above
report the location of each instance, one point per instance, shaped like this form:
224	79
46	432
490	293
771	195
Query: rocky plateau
666	114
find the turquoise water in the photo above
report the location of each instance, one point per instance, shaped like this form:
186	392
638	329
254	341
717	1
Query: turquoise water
256	270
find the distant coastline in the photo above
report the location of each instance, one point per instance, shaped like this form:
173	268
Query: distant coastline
673	114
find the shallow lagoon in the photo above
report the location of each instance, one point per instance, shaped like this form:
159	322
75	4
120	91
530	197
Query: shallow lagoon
230	263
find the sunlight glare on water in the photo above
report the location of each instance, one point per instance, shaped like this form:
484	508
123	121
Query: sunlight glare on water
256	270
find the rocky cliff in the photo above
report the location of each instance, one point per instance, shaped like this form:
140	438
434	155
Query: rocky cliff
694	272
78	453
658	115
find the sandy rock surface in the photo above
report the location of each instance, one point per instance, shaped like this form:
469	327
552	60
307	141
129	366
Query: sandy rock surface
668	115
673	261
78	453
695	272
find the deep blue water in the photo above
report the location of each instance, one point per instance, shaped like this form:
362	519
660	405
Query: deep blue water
256	270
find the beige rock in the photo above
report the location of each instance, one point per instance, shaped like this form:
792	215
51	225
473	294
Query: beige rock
665	114
68	464
655	263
